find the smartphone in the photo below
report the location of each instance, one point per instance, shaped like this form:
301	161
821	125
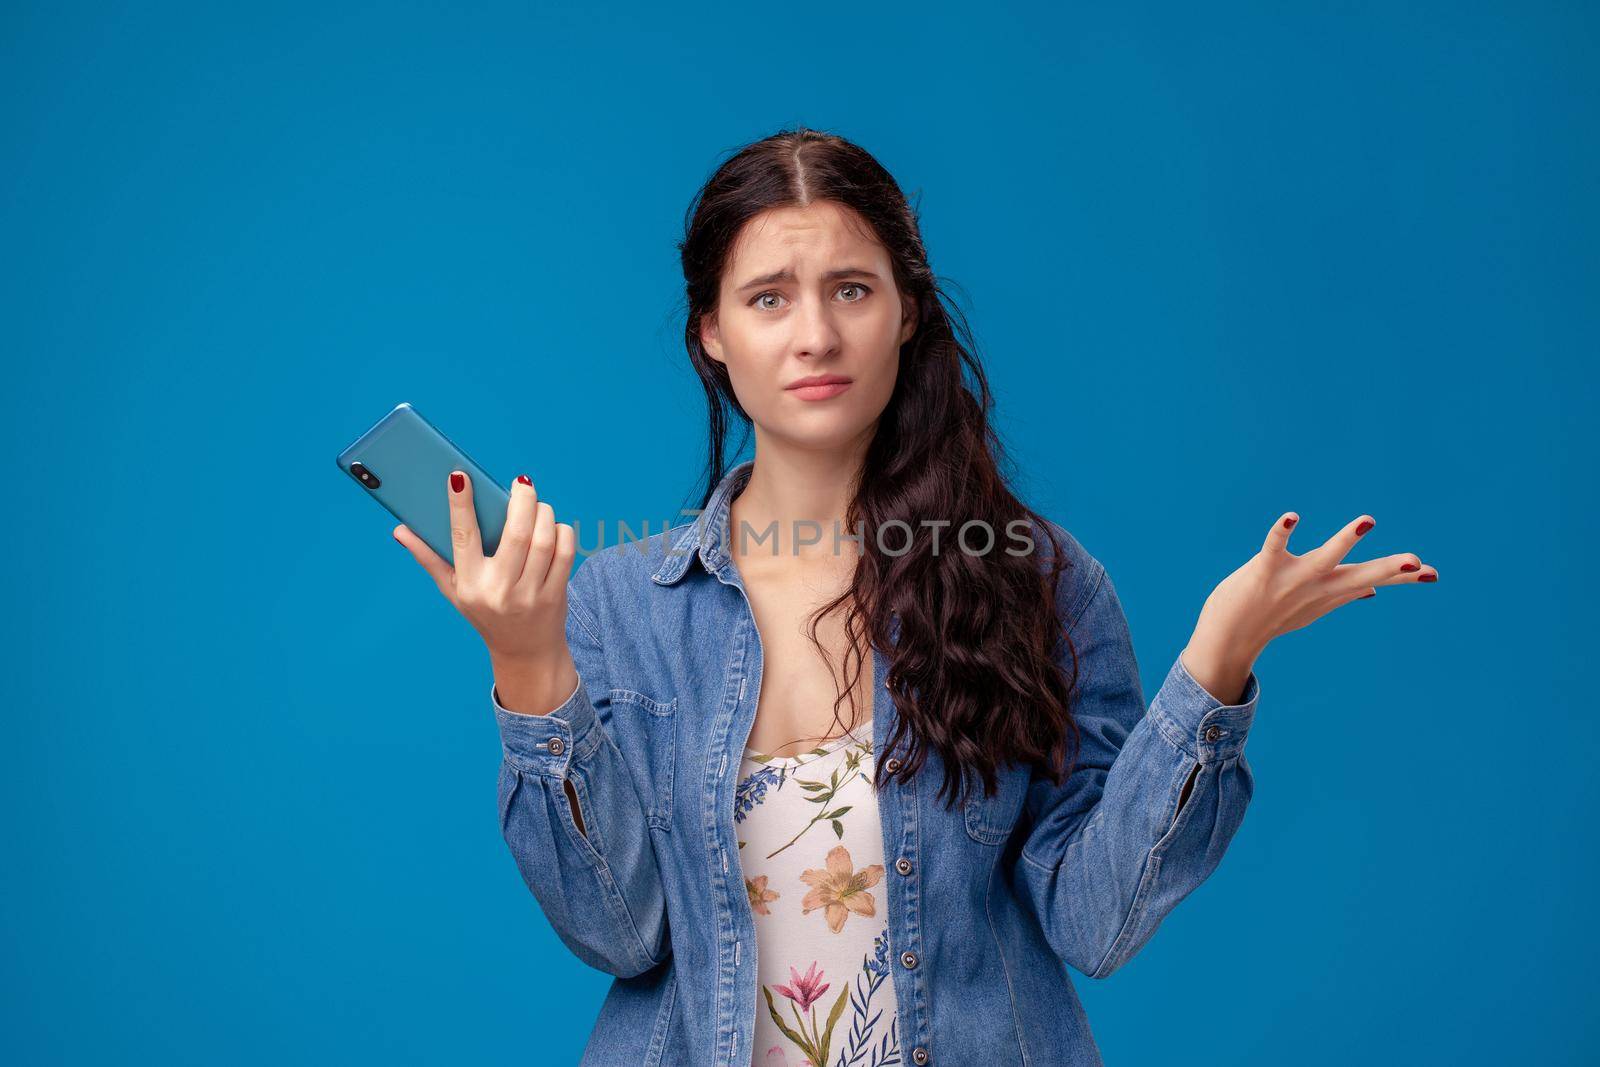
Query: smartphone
404	463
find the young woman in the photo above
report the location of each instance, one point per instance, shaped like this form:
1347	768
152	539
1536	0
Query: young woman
846	769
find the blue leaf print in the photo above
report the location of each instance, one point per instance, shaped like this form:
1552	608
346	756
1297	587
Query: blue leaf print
860	1050
753	790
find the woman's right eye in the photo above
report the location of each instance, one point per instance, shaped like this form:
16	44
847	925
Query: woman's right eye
764	307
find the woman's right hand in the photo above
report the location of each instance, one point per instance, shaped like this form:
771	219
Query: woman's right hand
517	598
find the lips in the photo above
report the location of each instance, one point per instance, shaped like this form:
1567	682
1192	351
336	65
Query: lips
819	386
819	379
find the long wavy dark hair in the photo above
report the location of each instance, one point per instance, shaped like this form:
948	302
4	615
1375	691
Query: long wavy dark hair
974	674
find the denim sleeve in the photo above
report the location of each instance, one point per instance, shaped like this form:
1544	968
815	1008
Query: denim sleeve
600	887
1109	853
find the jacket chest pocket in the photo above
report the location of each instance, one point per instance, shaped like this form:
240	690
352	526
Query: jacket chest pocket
654	722
990	820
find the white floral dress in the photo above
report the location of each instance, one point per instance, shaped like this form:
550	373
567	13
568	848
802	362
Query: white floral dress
811	849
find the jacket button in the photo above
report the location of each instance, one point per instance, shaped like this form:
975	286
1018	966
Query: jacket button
908	959
902	865
891	764
557	746
1213	732
919	1055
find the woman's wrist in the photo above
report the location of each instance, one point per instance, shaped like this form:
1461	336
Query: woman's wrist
533	686
1221	672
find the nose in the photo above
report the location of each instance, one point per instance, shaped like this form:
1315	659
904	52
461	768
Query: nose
816	335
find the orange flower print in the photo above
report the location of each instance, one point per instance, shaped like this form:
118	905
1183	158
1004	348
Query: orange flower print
759	894
840	889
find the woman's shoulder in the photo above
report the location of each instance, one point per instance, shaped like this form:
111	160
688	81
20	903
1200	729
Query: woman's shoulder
625	572
1081	573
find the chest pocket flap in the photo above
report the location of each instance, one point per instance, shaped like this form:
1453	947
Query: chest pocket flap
654	724
990	820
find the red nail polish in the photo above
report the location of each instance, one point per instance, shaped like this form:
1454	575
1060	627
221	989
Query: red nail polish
1288	524
1428	578
1409	567
458	481
523	478
1363	528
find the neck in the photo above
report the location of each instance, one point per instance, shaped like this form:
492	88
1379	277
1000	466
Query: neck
804	492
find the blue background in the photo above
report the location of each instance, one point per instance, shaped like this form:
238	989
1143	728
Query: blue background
1221	264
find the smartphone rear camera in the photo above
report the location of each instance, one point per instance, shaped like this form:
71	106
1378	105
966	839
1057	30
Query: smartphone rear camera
364	476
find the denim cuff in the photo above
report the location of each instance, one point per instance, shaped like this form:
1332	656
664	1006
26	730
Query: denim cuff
546	744
1197	723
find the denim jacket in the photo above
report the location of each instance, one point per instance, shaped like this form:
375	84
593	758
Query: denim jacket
992	899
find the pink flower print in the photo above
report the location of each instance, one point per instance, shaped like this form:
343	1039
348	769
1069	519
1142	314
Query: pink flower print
806	989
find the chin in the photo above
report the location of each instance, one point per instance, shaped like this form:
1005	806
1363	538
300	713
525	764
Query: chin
820	434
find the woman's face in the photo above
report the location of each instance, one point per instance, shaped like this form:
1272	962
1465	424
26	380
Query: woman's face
808	292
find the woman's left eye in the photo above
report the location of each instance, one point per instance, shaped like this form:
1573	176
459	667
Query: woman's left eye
861	288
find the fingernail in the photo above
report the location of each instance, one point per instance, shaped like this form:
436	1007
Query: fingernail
523	478
1364	527
458	481
1409	567
397	539
1428	577
1364	596
1288	524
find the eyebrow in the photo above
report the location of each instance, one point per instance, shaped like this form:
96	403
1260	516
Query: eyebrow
788	276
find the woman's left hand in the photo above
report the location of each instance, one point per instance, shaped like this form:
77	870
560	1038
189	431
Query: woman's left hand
1276	592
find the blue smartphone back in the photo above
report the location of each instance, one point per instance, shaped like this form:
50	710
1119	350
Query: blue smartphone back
410	461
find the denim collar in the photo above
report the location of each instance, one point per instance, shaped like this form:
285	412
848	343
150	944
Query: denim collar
707	536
